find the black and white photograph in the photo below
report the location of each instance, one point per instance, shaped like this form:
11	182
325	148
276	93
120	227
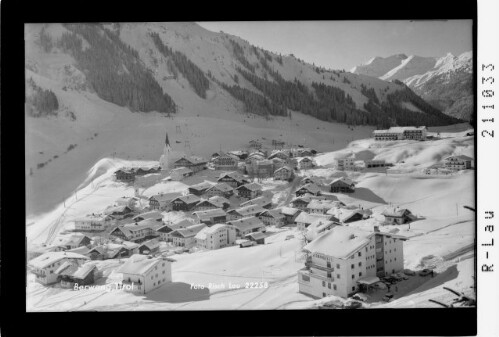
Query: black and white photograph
255	165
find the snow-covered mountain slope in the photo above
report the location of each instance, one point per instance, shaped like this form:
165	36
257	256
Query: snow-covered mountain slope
379	66
115	89
445	82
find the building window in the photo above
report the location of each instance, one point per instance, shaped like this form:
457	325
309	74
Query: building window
360	274
353	276
329	285
360	264
338	276
323	283
338	266
328	264
353	266
305	278
353	288
359	254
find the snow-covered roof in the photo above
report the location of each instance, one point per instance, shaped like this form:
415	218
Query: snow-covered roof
309	218
313	188
203	233
117	209
400	129
343	180
223	187
249	210
396	212
289	210
49	258
151	244
340	242
188	199
321	204
219	200
148	215
193	160
139	264
70	268
274	213
246	223
233	174
285	167
210	213
256	235
262	200
201	186
459	157
189	231
182	170
165	197
70	239
251	187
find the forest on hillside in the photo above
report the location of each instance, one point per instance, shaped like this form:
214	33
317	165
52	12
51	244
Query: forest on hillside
192	73
114	69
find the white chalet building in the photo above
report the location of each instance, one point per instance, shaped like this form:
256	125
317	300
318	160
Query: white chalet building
146	273
216	236
342	258
457	163
45	265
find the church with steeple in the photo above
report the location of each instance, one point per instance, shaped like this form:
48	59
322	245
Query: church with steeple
164	160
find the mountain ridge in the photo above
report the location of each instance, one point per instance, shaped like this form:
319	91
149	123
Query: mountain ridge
445	81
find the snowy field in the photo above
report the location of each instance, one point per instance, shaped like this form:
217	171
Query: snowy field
442	237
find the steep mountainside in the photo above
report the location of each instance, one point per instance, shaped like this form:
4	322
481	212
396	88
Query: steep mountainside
445	82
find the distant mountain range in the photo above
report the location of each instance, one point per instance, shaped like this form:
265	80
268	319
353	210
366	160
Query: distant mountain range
446	82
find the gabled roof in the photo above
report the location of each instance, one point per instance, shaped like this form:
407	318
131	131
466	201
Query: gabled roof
309	218
256	235
210	213
342	180
203	233
165	197
343	241
251	187
139	264
201	186
282	168
262	200
400	129
189	231
289	210
182	170
233	174
304	159
321	204
71	239
117	209
49	258
459	157
248	210
219	201
313	188
188	199
246	223
193	160
223	187
274	213
70	268
151	244
396	212
149	215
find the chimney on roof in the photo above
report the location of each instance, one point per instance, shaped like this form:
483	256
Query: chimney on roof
352	236
376	229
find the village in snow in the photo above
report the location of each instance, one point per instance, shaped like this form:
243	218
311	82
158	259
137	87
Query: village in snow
388	221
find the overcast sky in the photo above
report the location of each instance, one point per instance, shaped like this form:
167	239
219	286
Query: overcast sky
345	44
